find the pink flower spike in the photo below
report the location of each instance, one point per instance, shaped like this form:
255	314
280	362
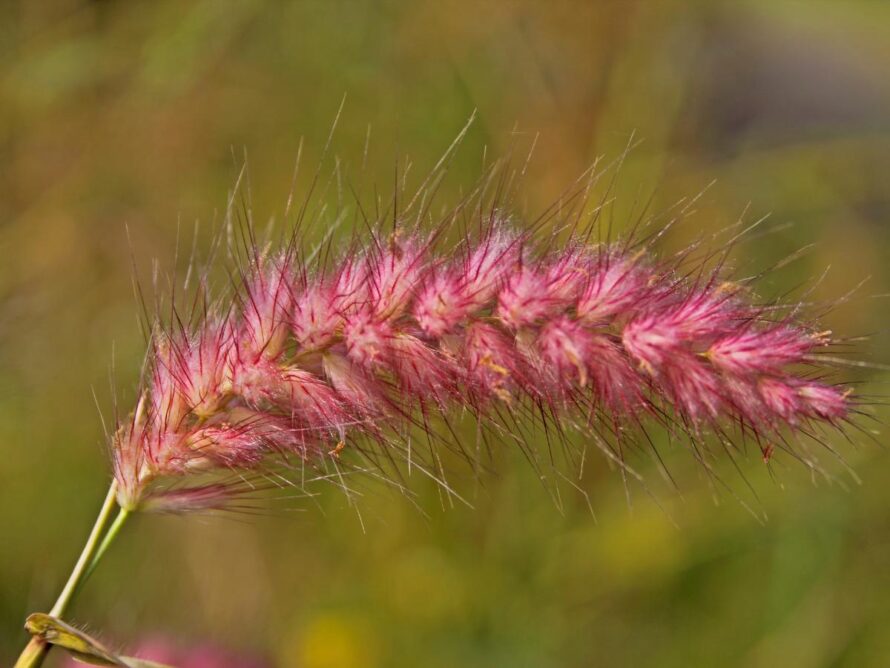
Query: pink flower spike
693	387
781	399
564	347
351	349
230	445
619	388
197	499
367	340
393	278
358	389
650	343
441	304
207	359
422	372
316	317
454	292
756	351
615	286
494	367
703	313
823	402
525	299
167	406
566	275
267	306
745	403
274	432
311	400
488	265
255	382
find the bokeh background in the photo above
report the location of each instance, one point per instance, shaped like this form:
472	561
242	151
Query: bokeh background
119	116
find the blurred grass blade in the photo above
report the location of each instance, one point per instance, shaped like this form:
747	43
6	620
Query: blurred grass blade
79	644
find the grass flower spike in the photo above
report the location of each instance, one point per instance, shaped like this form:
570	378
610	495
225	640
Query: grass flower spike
336	357
306	359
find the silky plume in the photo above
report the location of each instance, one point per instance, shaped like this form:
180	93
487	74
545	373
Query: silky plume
306	358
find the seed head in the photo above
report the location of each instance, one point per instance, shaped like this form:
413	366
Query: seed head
305	359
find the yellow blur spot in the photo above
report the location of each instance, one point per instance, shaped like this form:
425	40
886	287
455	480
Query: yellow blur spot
333	640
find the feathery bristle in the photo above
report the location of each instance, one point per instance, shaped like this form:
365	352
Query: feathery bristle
305	359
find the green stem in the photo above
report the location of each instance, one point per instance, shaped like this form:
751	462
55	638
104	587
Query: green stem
36	651
87	555
113	530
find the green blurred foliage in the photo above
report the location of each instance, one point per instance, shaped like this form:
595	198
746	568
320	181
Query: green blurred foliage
122	123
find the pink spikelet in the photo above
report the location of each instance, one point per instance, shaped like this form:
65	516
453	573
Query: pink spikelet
308	358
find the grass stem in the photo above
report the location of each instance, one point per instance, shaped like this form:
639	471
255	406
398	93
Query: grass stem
37	649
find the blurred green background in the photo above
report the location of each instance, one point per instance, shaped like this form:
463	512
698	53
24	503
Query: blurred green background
126	115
